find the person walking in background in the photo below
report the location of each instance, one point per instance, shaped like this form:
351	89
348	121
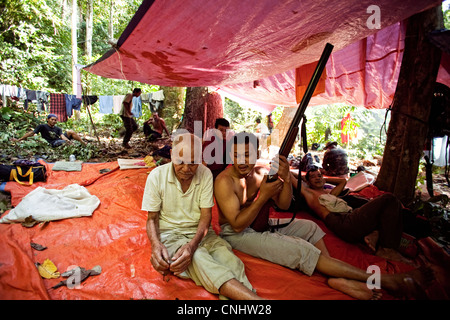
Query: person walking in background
127	117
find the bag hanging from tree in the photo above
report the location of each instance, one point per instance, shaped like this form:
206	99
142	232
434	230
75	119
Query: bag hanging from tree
23	171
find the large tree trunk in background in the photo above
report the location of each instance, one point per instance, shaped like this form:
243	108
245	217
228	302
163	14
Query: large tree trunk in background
411	107
195	107
214	109
203	107
173	106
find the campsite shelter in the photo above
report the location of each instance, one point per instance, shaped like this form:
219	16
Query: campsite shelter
226	45
263	54
231	44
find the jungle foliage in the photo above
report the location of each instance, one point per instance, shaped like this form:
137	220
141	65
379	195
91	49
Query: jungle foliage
325	123
16	123
35	43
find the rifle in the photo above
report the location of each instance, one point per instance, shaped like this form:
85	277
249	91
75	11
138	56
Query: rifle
261	221
291	135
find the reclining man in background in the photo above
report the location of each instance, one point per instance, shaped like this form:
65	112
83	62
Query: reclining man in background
378	222
52	133
178	197
242	191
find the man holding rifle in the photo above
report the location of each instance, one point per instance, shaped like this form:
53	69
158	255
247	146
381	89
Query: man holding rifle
243	194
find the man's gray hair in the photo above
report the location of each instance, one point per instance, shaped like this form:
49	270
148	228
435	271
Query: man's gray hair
183	144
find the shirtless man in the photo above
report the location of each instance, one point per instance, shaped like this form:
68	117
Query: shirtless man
242	190
378	222
158	124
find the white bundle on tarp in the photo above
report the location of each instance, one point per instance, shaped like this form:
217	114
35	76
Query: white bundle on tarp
333	203
51	204
359	181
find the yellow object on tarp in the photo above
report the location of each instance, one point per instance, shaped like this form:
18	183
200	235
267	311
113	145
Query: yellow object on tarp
48	270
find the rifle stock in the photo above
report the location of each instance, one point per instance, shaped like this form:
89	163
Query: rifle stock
291	135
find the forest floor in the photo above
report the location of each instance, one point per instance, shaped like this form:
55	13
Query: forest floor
112	149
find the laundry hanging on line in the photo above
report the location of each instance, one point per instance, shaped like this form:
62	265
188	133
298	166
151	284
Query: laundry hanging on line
113	104
117	103
58	106
89	100
72	103
69	102
136	110
42	100
106	104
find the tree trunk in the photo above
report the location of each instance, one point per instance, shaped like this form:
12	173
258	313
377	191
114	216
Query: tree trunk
111	21
411	107
173	106
89	28
74	46
201	110
194	109
214	109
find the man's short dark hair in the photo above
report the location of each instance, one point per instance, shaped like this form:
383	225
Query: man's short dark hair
258	120
246	138
221	122
136	90
308	173
242	138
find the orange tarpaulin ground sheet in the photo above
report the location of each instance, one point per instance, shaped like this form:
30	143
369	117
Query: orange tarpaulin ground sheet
115	238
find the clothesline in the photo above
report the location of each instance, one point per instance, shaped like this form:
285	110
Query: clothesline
62	104
113	103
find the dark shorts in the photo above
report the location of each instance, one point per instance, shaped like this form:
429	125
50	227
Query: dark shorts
58	142
345	227
382	214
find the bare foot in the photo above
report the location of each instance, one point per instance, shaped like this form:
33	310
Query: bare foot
409	285
355	289
394	255
371	240
414	290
